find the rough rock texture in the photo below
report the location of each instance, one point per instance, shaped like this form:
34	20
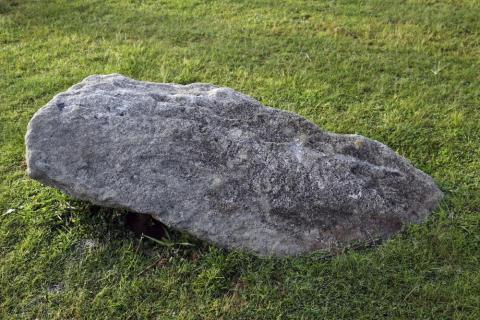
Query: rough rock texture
218	164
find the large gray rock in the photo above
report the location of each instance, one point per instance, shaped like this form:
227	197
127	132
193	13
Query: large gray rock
220	165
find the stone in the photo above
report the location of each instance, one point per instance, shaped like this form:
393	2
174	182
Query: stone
219	165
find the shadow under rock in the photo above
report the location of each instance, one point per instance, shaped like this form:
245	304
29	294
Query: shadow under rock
110	224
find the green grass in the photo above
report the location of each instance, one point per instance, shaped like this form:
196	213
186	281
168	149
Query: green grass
406	73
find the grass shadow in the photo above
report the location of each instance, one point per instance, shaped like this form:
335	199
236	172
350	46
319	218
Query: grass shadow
109	225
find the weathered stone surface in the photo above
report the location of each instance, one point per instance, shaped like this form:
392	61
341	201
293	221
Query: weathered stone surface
218	164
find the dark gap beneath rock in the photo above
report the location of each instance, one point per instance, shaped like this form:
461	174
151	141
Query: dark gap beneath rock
144	224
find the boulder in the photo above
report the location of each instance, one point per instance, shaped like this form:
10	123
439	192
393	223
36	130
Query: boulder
219	165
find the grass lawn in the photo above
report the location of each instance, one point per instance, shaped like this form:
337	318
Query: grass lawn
406	73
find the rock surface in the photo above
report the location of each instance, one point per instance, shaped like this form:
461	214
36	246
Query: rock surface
223	167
